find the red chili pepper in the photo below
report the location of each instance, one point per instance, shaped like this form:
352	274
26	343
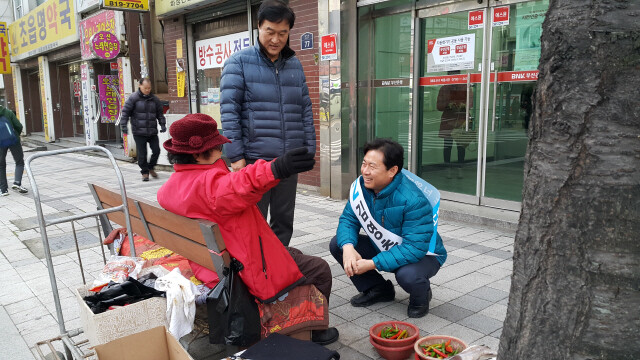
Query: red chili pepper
448	343
380	333
396	335
444	356
448	348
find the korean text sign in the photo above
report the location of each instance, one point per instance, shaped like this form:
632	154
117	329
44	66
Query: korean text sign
329	49
49	26
108	89
5	59
212	53
451	53
103	21
164	7
105	45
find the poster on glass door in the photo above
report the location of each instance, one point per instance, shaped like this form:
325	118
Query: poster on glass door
451	53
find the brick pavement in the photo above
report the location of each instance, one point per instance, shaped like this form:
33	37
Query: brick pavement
470	292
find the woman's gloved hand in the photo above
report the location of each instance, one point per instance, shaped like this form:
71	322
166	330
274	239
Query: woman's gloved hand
293	162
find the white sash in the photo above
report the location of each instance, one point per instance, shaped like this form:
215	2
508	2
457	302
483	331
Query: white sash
383	238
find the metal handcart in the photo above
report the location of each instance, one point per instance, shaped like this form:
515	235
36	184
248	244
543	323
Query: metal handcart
74	350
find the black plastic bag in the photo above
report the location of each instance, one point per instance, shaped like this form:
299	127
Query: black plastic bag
281	347
120	294
232	311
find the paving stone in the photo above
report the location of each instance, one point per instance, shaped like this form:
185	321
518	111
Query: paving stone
62	244
481	323
32	222
452	244
506	255
471	303
451	312
350	333
467	335
429	324
490	341
495	311
479	248
349	312
489	294
336	301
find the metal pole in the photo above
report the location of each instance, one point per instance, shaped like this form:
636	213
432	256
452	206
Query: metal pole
250	22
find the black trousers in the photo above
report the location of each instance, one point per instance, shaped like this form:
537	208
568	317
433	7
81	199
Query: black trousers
448	146
280	202
413	278
18	157
141	148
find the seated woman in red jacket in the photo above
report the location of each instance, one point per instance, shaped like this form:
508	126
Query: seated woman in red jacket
202	187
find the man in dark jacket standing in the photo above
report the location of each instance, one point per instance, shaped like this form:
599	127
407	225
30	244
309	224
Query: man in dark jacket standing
16	151
266	109
145	111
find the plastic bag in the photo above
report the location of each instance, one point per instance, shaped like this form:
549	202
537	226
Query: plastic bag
232	310
119	269
476	352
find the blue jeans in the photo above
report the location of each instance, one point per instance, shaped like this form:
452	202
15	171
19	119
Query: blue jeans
413	278
18	157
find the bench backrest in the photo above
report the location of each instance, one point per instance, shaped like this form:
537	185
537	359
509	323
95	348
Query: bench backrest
190	238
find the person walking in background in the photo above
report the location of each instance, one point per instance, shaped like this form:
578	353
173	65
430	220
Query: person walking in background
11	142
266	109
145	111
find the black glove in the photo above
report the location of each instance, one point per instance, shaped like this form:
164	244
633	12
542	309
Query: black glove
163	128
293	162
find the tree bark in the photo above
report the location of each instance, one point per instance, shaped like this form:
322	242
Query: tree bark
575	288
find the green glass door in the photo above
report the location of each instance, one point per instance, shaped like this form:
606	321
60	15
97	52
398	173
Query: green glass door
449	100
384	72
515	52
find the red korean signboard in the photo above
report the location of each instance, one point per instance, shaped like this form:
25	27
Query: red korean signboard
476	19
105	45
329	49
475	78
500	16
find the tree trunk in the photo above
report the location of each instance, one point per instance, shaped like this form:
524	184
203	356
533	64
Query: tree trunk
575	288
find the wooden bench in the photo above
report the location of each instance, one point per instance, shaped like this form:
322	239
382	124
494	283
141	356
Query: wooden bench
197	240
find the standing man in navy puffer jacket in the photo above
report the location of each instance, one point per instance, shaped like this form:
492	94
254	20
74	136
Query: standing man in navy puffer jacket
266	109
145	111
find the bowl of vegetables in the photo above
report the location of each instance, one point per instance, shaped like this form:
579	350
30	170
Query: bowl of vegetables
394	333
393	353
434	347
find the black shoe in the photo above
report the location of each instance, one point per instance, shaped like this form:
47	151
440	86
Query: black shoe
325	337
379	293
145	177
418	311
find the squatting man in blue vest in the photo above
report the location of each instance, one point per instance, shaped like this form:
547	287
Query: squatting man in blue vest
398	219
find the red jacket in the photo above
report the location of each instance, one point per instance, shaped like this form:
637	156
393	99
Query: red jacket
229	199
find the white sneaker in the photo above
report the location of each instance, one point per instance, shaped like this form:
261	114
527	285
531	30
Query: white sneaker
19	188
4	193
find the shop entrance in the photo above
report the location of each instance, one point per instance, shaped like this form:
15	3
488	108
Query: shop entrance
32	103
478	70
452	83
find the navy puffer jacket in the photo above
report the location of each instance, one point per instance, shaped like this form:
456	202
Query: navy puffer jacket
265	111
145	112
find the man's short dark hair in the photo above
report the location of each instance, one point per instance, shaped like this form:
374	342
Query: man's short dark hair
275	11
185	159
392	151
143	80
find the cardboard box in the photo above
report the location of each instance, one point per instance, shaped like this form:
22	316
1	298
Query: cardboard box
113	324
153	344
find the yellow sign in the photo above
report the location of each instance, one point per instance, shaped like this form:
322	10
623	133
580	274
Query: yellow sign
43	96
130	5
49	26
167	7
5	59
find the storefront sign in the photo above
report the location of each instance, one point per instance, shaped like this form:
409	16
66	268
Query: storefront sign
476	19
451	53
329	49
108	92
84	5
49	26
127	5
43	71
5	58
391	82
113	66
105	45
508	76
86	110
212	53
306	41
170	7
103	21
500	16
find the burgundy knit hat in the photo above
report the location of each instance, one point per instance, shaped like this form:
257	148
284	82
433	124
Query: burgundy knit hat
194	134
